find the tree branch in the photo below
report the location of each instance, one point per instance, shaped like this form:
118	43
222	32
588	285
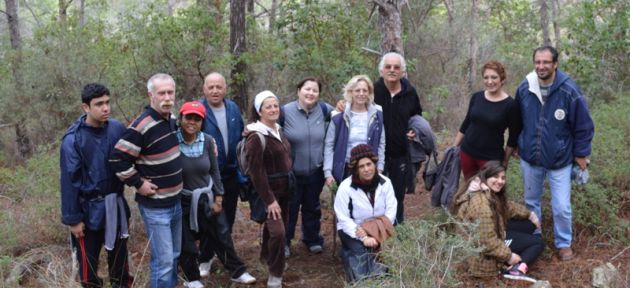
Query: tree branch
39	24
5	13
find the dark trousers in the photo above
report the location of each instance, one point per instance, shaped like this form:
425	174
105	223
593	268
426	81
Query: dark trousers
214	237
524	243
307	195
88	250
411	177
358	261
272	248
397	169
232	188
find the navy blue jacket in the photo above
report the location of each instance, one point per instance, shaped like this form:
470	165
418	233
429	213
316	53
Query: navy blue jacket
85	172
556	132
227	164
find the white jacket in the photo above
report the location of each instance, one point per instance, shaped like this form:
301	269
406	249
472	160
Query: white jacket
384	204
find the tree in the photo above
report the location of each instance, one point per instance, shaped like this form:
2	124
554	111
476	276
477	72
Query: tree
390	24
238	46
544	21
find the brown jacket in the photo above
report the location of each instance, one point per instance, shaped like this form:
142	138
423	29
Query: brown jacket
380	228
476	207
275	159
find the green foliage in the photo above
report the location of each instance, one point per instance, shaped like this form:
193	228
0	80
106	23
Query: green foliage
426	253
32	194
598	45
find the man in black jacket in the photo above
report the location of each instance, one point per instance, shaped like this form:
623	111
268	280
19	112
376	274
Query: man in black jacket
400	102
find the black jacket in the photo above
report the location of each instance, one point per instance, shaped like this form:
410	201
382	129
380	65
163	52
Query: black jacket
396	113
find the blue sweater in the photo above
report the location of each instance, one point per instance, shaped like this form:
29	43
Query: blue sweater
84	169
558	130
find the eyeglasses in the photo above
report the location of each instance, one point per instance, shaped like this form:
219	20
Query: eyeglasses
193	117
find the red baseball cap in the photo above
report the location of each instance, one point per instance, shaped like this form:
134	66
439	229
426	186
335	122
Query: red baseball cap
193	107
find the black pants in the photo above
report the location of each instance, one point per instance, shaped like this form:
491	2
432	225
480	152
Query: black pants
358	261
397	169
306	197
214	237
524	243
411	177
232	188
88	250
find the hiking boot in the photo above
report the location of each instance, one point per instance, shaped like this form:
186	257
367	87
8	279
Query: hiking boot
565	253
315	249
204	268
274	282
518	272
193	284
245	278
287	251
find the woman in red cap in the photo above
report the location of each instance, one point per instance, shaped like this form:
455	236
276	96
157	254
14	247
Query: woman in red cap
365	206
202	196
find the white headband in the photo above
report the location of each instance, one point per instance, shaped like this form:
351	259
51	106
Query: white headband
260	97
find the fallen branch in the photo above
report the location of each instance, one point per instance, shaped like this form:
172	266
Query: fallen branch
619	254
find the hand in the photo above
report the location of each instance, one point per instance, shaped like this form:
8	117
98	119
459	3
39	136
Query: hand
273	211
514	259
147	189
582	162
370	242
217	205
77	230
534	219
329	181
475	184
360	232
411	134
341	105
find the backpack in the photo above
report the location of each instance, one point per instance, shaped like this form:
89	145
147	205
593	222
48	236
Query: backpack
241	153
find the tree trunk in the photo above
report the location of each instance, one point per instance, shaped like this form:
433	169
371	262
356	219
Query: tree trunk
219	11
450	10
238	45
555	13
22	138
472	56
390	24
544	21
63	10
250	6
81	13
272	15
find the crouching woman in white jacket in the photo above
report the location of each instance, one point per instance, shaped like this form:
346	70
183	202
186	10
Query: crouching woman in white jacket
365	206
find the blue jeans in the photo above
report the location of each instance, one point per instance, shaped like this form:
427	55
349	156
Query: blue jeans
164	229
560	186
307	195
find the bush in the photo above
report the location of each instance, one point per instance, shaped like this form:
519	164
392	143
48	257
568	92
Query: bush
426	253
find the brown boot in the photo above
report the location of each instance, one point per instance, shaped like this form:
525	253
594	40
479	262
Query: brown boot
565	254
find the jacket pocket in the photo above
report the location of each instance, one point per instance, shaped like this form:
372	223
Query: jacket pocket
94	211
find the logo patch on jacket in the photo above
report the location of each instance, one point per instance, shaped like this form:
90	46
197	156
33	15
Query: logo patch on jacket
560	114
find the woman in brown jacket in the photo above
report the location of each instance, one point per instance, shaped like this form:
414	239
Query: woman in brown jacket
269	170
508	243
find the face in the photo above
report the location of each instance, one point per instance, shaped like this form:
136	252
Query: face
191	124
269	110
492	81
545	67
97	111
360	93
496	182
163	96
367	169
392	71
308	95
214	89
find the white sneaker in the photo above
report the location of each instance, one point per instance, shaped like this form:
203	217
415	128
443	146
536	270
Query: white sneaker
204	268
245	278
274	282
193	284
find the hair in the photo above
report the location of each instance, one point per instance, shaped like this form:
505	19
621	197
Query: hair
497	67
498	200
93	90
347	90
158	76
554	52
403	63
313	79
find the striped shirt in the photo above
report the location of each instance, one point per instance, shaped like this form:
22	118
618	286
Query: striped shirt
149	150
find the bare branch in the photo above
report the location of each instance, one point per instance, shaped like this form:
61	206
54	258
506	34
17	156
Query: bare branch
5	13
371	51
39	23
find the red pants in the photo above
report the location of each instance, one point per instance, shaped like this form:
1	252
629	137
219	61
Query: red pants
469	165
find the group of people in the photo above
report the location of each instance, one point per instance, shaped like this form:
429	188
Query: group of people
187	181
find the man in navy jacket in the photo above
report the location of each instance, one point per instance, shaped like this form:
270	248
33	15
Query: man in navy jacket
92	201
557	132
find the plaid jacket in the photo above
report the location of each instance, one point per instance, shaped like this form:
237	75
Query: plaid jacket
476	207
